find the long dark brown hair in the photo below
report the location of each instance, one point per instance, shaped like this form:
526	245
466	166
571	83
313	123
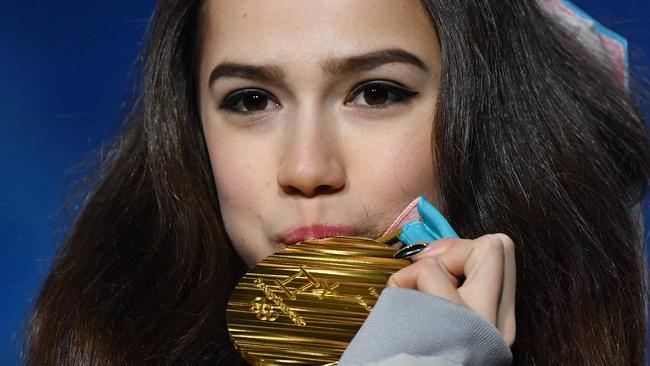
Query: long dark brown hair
534	138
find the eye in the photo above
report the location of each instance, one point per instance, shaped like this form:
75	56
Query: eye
248	101
379	94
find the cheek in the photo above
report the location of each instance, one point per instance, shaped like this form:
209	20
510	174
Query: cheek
232	174
237	177
395	169
414	164
240	185
405	162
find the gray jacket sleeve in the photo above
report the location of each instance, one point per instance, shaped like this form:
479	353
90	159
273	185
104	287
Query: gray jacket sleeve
412	327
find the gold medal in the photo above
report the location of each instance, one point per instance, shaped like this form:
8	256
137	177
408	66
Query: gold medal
305	303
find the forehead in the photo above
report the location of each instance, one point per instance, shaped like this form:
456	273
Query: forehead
309	31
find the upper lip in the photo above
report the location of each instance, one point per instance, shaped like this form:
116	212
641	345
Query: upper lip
317	231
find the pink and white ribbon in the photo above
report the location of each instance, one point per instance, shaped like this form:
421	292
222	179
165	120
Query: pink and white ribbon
606	44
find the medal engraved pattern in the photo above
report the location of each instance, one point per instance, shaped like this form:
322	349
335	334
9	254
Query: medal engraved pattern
263	310
295	318
303	304
302	271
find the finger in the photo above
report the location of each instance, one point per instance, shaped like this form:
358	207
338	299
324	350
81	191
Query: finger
426	276
436	248
458	264
506	321
484	271
480	262
455	252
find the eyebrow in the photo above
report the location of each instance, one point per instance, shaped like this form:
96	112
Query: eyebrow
341	66
371	60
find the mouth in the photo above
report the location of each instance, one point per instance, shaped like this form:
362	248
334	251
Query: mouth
318	231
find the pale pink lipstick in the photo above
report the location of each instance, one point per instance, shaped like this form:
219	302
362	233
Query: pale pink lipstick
314	232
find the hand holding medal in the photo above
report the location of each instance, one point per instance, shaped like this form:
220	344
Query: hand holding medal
305	303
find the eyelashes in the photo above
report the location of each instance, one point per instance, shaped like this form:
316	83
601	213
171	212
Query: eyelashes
370	95
379	94
248	101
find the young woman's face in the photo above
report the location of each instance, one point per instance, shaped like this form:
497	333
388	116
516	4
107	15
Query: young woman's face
318	116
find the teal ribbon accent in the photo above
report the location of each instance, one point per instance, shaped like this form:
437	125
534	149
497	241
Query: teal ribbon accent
433	227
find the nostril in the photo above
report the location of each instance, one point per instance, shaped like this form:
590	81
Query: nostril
325	189
322	189
311	174
291	190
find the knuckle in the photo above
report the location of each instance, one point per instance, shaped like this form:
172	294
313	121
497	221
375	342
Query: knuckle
505	240
428	262
492	242
508	244
429	266
499	240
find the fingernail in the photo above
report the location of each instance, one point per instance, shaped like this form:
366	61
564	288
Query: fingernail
410	250
432	249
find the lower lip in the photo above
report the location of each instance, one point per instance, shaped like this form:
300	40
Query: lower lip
314	232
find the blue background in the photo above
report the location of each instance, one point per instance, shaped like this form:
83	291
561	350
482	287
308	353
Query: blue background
64	78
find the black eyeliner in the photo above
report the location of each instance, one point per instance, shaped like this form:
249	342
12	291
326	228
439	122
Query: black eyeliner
404	94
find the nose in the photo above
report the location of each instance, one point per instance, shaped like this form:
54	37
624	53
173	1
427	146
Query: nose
312	163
